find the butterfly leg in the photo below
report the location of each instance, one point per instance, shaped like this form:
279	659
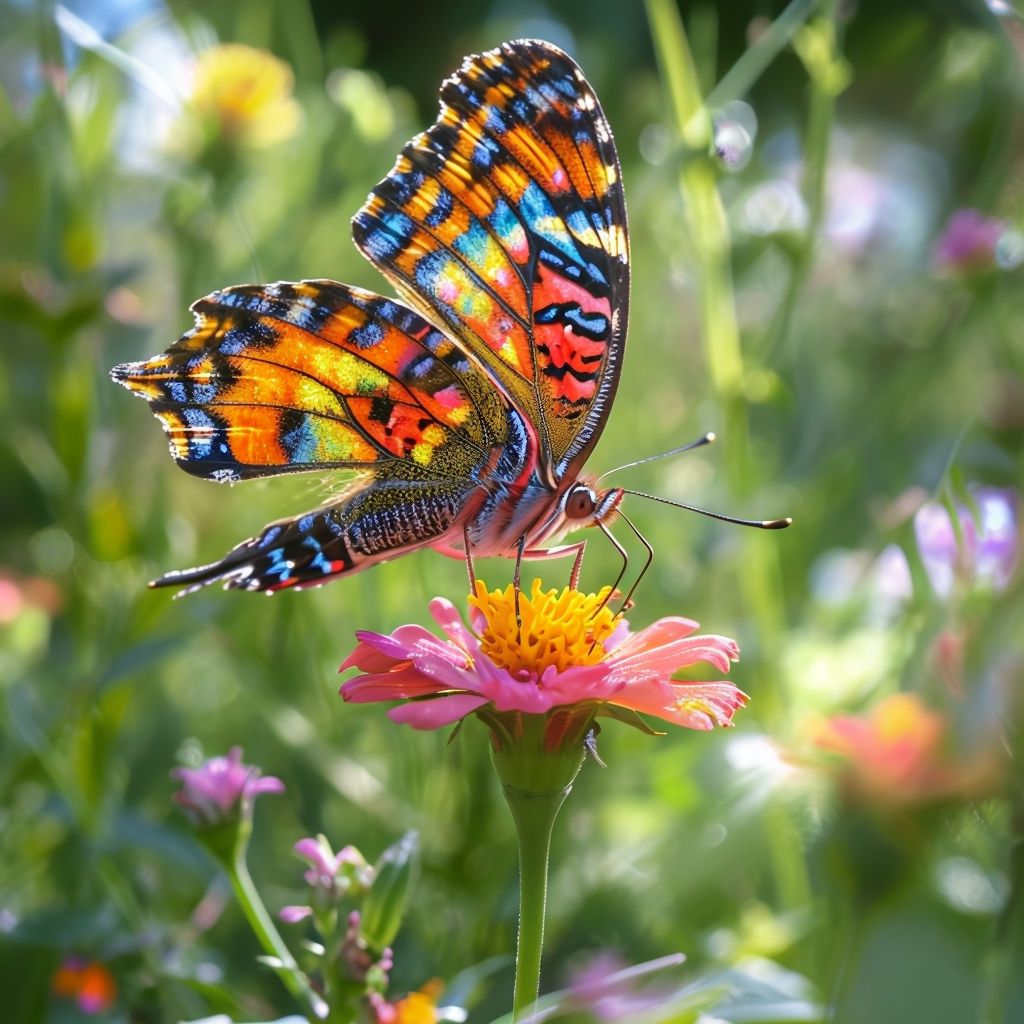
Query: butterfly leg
517	575
577	567
469	559
626	605
625	562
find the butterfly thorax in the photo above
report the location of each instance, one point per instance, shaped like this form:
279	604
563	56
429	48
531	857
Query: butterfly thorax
538	513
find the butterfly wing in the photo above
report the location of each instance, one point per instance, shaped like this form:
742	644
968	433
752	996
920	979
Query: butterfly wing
317	375
505	223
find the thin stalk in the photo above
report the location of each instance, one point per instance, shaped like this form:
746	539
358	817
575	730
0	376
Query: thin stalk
270	939
534	816
820	118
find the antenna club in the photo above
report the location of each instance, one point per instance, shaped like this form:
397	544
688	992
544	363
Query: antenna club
777	524
710	437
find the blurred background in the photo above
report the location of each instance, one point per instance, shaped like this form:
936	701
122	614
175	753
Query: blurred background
828	277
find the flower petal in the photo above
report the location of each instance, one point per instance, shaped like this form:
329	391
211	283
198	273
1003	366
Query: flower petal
434	714
669	657
691	705
293	914
446	615
396	685
657	634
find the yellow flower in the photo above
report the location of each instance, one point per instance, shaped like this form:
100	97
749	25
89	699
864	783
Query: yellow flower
244	95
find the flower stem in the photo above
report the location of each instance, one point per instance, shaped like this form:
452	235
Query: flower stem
534	816
270	939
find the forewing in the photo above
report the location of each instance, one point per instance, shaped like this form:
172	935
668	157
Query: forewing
317	375
505	223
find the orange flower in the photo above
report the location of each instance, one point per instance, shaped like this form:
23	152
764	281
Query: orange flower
87	982
415	1008
897	755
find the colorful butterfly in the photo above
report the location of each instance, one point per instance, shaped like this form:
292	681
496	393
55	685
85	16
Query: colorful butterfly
467	413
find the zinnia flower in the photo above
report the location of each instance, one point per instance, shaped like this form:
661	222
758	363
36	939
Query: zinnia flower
571	650
87	982
222	788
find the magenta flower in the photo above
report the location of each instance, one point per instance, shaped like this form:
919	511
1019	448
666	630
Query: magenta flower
571	650
987	552
222	788
330	874
968	242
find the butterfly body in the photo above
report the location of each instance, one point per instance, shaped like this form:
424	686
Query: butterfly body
467	409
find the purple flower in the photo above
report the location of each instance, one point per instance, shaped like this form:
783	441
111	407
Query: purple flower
222	788
987	552
968	242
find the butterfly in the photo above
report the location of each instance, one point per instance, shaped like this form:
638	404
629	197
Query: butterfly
467	409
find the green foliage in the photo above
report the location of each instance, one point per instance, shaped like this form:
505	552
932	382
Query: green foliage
794	307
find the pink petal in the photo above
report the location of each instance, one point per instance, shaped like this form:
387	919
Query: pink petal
399	685
669	657
446	615
691	705
293	914
320	859
264	784
434	714
581	683
657	634
376	652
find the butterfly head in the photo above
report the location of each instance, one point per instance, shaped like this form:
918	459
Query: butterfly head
583	505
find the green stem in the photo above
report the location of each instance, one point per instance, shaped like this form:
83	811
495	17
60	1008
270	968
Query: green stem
818	137
534	816
270	939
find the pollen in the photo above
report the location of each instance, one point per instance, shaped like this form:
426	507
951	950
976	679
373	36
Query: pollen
559	629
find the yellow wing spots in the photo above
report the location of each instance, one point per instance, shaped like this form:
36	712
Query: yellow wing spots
353	376
422	453
457	416
509	354
588	236
434	434
611	173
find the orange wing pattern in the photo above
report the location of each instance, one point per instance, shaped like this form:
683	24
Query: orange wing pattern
505	223
291	377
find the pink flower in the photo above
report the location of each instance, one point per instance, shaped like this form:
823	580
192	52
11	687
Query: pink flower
571	650
330	874
222	788
968	242
324	863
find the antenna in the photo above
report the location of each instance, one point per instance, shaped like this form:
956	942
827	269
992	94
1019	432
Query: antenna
758	524
699	443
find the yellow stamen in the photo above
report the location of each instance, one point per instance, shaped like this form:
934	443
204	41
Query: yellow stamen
558	629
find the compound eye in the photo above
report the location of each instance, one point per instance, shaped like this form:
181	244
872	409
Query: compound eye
580	503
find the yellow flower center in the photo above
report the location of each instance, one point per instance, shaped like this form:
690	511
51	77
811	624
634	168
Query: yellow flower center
558	629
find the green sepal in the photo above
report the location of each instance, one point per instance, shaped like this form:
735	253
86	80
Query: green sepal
628	717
